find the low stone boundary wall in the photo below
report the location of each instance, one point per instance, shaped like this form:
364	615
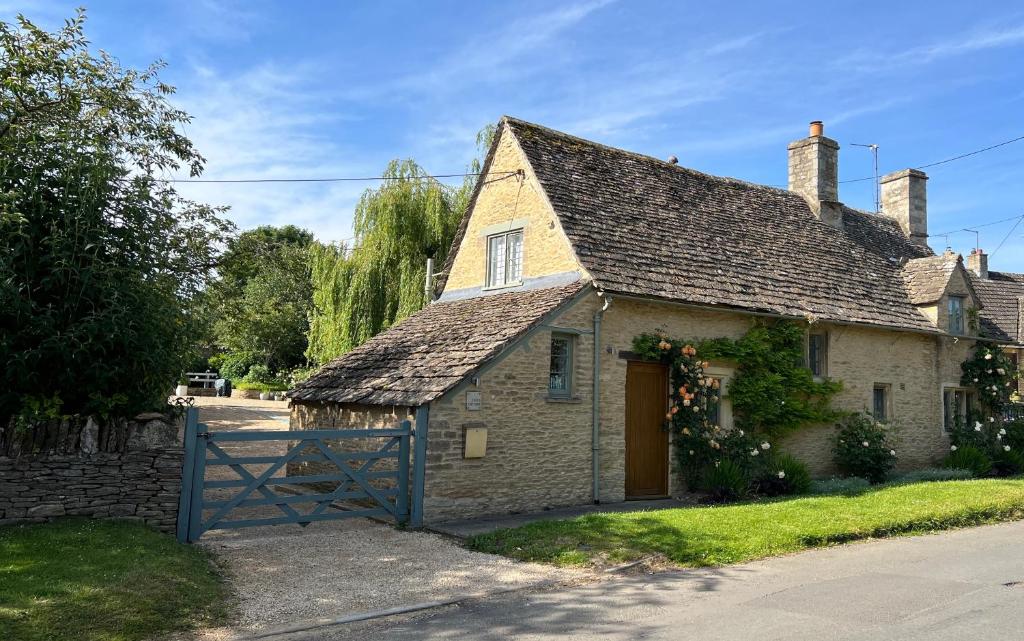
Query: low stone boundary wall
80	467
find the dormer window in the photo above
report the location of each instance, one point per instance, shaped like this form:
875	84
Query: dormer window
505	259
956	315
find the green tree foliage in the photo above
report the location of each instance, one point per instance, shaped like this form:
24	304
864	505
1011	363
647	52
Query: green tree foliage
100	262
360	291
263	297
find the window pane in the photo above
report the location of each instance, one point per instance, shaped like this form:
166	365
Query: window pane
956	315
715	405
881	405
496	261
514	273
947	403
558	380
816	352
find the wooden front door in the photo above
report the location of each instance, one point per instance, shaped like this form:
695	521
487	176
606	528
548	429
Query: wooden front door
646	441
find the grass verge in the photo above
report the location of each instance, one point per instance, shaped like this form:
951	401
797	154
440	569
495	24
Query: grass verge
719	535
103	581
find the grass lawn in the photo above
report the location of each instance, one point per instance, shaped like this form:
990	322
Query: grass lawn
102	580
719	535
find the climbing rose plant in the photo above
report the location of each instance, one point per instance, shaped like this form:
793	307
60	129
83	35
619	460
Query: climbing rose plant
700	445
992	375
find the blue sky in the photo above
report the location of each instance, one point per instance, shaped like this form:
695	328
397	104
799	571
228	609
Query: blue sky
313	89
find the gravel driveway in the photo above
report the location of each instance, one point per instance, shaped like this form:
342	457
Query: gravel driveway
286	574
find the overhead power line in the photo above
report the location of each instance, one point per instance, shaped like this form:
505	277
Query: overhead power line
1008	234
947	160
973	227
319	180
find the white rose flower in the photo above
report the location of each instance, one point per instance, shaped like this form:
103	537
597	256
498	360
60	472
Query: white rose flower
999	437
1006	448
991	419
1002	431
952	448
865	444
782	474
741	432
766	445
892	452
691	452
988	357
754	452
975	380
1001	371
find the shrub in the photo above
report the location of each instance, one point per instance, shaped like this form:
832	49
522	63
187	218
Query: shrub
934	474
1007	463
259	374
863	449
235	365
783	475
969	458
848	485
261	387
101	262
725	481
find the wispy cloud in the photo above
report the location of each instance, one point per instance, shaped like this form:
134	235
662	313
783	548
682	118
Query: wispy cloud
978	39
266	122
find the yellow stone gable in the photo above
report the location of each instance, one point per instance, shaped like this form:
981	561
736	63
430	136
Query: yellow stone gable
508	202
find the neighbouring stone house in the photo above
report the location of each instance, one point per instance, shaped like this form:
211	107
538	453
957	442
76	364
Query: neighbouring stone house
1002	313
570	249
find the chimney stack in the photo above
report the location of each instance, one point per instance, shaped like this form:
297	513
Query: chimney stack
904	198
814	173
977	262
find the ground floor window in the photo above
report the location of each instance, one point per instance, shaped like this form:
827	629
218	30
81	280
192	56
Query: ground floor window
958	405
560	374
880	402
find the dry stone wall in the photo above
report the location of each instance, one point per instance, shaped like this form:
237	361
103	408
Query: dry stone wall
126	470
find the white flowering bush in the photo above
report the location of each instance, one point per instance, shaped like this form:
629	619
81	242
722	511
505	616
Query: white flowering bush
864	448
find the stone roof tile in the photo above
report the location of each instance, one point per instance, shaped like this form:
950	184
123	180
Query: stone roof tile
428	353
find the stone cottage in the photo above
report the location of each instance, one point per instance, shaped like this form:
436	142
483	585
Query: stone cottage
570	249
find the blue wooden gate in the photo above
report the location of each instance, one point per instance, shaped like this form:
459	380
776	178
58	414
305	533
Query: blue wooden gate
368	481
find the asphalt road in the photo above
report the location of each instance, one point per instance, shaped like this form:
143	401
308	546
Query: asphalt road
952	586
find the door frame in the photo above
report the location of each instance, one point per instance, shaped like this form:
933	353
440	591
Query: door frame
625	433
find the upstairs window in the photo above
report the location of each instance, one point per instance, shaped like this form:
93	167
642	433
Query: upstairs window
560	375
817	353
956	315
505	259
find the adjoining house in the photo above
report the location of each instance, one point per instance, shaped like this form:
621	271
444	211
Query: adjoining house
1002	313
570	249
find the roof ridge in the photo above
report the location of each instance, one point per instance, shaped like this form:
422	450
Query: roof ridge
636	154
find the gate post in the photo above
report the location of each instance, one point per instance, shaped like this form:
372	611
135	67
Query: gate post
402	500
185	498
419	464
195	519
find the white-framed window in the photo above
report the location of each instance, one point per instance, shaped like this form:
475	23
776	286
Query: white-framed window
505	258
957	406
562	362
719	413
956	315
817	353
881	400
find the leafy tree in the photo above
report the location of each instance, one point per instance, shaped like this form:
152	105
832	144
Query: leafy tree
361	291
267	319
100	261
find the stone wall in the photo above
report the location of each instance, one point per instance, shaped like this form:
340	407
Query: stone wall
127	470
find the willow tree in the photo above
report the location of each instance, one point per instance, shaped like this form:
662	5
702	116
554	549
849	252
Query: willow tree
360	291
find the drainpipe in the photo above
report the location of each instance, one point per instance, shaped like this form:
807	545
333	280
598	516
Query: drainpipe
595	438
